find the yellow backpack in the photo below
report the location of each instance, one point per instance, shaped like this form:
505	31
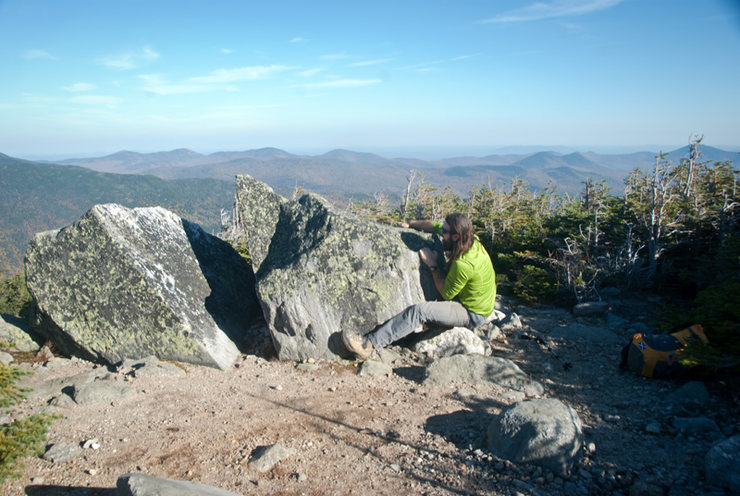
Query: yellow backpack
655	355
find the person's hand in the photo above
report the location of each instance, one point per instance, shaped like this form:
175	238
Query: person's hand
429	257
403	224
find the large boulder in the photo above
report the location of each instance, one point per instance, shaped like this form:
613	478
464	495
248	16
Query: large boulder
320	270
128	283
544	432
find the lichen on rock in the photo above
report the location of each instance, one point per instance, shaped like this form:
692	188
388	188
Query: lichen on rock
128	283
320	270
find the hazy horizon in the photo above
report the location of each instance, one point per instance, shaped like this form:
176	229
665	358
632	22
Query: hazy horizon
412	152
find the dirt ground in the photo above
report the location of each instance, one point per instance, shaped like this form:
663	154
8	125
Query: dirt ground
354	434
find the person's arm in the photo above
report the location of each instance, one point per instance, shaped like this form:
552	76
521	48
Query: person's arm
430	258
419	225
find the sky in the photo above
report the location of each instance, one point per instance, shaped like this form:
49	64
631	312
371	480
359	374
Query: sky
399	77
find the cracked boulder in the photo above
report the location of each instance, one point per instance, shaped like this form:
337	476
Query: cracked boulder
129	283
320	270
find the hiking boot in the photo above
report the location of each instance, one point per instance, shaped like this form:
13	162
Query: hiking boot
359	345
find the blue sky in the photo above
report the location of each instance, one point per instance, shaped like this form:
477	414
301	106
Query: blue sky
397	77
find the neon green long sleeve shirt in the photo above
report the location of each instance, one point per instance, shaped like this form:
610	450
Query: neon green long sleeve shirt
472	281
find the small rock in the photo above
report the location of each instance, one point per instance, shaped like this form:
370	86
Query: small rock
5	358
395	467
61	452
91	444
308	367
372	368
591	309
37	480
91	471
264	458
653	428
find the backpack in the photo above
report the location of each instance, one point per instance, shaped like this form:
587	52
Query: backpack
656	355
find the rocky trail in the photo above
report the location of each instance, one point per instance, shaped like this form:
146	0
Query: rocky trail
321	427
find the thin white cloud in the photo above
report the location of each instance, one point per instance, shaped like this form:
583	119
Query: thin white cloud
37	54
250	73
226	50
97	100
79	87
130	60
155	83
345	83
298	39
309	72
366	63
548	10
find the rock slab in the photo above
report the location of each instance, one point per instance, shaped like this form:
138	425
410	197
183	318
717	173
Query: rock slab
544	432
320	270
146	485
478	369
128	283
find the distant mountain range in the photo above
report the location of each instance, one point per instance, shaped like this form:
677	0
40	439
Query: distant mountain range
345	172
38	197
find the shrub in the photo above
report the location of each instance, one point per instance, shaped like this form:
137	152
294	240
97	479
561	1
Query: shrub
14	296
22	437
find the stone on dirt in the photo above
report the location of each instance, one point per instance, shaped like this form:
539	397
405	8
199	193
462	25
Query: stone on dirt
320	270
544	432
721	464
478	369
263	458
61	452
591	309
15	331
455	341
146	485
95	392
125	282
373	368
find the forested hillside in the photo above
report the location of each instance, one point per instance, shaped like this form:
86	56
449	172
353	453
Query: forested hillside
38	197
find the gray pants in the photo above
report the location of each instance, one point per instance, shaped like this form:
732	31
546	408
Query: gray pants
440	313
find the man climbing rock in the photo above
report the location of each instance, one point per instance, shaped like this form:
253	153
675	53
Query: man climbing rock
467	286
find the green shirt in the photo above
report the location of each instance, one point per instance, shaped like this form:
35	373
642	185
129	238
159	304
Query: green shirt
471	280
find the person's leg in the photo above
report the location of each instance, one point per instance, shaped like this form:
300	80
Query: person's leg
441	313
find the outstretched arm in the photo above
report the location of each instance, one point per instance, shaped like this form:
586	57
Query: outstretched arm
419	225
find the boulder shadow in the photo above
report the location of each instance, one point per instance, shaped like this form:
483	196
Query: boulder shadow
70	491
233	302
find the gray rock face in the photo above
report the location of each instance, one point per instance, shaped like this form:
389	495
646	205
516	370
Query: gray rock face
544	432
146	485
722	462
320	270
479	368
15	330
122	283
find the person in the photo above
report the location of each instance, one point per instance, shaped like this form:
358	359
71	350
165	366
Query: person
468	288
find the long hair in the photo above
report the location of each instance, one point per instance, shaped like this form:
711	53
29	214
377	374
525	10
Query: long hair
463	227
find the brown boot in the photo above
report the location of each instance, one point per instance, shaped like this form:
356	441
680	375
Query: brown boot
359	345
